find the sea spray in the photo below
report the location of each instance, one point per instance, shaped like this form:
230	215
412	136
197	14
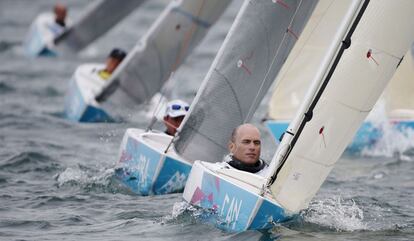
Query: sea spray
336	213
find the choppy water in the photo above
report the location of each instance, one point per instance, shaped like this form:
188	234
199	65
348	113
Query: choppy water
56	177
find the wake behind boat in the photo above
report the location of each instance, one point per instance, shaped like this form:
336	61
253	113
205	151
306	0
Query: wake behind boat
342	92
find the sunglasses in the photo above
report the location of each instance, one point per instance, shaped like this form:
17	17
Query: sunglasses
179	107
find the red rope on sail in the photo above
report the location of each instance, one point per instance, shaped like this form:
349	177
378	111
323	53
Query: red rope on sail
369	56
281	2
241	64
292	33
323	136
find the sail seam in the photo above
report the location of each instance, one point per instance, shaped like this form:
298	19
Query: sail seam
345	44
232	90
254	103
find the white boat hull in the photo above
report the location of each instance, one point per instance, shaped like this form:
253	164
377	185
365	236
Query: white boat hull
144	167
235	204
80	104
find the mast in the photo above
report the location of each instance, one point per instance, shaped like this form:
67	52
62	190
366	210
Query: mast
175	33
247	63
340	99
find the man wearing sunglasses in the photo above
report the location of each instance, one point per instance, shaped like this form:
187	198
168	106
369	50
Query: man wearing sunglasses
174	115
245	148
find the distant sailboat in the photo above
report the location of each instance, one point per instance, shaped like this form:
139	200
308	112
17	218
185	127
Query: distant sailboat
46	39
396	108
176	32
341	94
293	81
147	163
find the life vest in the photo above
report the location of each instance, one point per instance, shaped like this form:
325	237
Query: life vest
104	74
252	168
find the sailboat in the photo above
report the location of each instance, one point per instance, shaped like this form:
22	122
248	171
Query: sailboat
342	92
46	39
147	164
176	32
292	85
251	56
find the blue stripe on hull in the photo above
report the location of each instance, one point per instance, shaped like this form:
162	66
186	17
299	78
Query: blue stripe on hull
172	177
366	136
140	164
268	213
233	206
94	114
76	109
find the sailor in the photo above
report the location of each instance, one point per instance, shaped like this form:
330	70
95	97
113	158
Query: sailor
58	26
174	115
245	147
60	14
114	59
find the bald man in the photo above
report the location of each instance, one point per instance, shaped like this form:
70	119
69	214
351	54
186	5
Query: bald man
245	147
60	11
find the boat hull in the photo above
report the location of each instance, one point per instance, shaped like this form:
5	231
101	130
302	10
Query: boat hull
234	205
40	37
145	169
80	104
367	135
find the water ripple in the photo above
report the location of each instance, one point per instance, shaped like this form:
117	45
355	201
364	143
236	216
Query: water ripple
29	162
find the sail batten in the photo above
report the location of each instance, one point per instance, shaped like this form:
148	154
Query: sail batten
178	30
336	109
252	54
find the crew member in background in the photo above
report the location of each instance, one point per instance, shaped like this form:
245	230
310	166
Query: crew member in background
114	59
174	115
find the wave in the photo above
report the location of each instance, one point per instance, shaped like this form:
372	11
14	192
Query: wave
6	45
29	162
5	88
102	182
335	214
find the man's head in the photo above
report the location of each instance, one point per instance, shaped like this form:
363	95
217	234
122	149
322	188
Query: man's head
174	115
60	13
114	59
245	144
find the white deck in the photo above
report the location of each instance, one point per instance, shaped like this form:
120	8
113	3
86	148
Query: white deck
158	141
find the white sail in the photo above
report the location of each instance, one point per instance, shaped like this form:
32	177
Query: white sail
340	99
252	54
399	93
97	20
178	30
319	36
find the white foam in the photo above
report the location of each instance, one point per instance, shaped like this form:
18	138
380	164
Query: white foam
337	214
393	141
82	178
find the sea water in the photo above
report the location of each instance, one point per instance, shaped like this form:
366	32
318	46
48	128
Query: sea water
57	177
